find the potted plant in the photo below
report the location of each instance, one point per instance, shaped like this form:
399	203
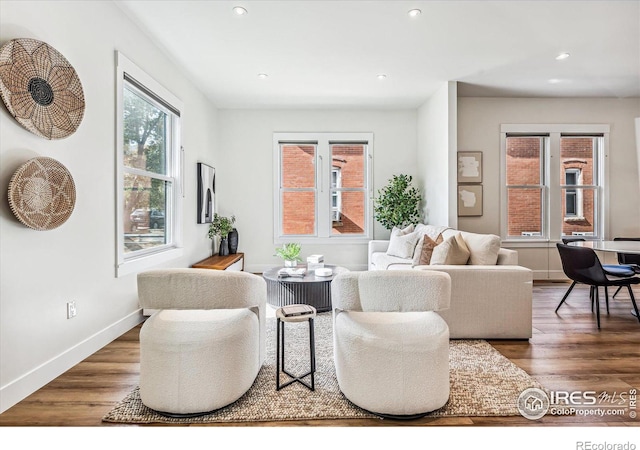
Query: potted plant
221	226
397	204
290	252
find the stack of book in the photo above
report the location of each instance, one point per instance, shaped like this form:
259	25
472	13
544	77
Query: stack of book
291	272
315	262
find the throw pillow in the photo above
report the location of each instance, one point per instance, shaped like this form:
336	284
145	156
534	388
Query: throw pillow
402	245
483	247
408	229
428	245
453	251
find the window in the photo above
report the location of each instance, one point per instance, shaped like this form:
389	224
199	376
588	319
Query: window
553	181
148	149
323	187
571	201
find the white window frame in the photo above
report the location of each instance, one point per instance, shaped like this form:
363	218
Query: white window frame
322	189
336	211
134	262
577	194
552	214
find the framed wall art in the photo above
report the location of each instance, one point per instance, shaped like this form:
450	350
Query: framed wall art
469	167
206	193
470	200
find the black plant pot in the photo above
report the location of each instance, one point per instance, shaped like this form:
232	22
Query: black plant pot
224	247
233	241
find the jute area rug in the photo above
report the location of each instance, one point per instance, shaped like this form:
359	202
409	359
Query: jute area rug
483	383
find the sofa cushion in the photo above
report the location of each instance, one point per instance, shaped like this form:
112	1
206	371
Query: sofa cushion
484	248
382	261
453	251
402	244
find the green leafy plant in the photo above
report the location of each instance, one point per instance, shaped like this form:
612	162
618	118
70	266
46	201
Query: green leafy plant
289	252
221	226
397	204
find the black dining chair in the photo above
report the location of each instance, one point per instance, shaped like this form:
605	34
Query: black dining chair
615	270
582	265
631	260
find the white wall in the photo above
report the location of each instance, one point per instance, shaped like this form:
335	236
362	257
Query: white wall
437	119
42	270
479	121
244	174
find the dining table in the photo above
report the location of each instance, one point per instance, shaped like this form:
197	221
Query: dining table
632	247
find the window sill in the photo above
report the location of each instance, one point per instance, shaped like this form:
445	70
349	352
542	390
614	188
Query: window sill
136	265
324	241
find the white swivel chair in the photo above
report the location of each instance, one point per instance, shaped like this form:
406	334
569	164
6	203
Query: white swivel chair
391	348
203	348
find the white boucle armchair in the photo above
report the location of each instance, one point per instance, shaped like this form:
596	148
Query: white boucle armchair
391	348
203	347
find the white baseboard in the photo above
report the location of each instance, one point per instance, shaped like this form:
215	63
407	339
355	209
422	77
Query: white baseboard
19	389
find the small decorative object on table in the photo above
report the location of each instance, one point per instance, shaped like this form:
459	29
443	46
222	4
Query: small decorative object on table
315	262
221	226
324	272
290	252
233	241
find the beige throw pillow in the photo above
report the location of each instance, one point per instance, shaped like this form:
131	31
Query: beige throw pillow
453	251
428	245
483	247
402	245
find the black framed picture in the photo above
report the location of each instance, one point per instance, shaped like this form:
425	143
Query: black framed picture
206	193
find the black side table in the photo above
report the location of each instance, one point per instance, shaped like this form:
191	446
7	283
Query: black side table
281	318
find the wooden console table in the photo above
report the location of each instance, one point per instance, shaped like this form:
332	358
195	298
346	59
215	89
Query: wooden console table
217	262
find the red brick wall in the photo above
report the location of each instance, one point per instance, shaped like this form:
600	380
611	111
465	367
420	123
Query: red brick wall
523	168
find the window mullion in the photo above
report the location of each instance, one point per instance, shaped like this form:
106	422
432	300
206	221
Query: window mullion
323	190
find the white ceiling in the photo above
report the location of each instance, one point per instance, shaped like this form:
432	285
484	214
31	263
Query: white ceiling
328	53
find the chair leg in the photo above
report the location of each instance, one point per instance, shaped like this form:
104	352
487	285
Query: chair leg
597	296
591	296
633	300
566	295
606	297
616	293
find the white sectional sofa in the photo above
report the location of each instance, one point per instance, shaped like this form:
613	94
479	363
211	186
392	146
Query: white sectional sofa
491	295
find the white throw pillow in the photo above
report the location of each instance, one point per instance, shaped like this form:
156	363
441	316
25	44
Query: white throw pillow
453	251
484	248
402	245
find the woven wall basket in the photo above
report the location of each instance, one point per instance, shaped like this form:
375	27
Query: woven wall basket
42	194
40	88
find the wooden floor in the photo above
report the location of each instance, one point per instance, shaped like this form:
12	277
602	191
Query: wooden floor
567	352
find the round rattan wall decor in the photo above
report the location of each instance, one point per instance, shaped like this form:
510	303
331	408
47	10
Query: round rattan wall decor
42	193
40	88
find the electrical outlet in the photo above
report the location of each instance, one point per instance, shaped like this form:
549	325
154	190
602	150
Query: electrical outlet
71	310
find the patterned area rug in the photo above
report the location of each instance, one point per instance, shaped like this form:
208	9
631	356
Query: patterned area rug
483	383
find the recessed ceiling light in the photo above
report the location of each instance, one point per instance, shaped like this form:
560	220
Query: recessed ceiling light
262	75
381	76
239	10
554	81
414	12
562	56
